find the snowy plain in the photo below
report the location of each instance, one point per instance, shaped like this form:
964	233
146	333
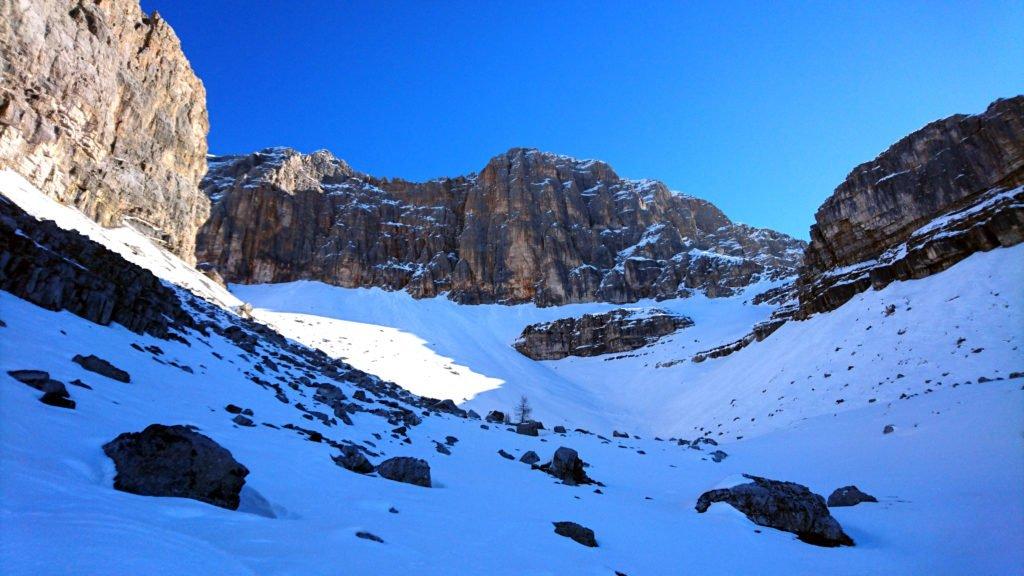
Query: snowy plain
949	479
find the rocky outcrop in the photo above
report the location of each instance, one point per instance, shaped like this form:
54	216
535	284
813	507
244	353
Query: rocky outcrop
100	109
530	226
942	193
619	330
176	461
781	505
63	270
100	366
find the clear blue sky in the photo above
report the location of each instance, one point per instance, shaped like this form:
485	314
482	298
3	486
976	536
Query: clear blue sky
760	107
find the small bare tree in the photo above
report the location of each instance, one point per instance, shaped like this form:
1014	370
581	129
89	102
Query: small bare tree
523	409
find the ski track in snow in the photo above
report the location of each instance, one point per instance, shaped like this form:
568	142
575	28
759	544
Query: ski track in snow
948	479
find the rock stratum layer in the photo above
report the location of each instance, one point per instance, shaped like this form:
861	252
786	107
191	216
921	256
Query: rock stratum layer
935	197
531	226
100	109
619	330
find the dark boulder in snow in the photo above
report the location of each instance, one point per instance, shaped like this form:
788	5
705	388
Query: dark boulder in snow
567	466
242	420
530	458
495	417
176	461
889	429
617	434
353	459
441	448
35	378
405	469
330	395
558	429
578	533
506	455
718	455
56	394
849	496
94	363
782	505
369	536
529	428
449	407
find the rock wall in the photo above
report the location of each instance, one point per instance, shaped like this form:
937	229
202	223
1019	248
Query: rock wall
935	197
63	270
530	226
100	109
918	178
620	330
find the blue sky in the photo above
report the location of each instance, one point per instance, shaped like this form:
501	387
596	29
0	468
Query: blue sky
760	107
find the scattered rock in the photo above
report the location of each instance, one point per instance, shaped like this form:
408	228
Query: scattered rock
889	429
353	459
567	466
449	407
369	536
530	458
506	455
176	461
617	434
529	428
242	420
35	378
849	496
441	448
718	455
495	417
451	440
576	532
782	505
405	469
559	429
232	409
100	366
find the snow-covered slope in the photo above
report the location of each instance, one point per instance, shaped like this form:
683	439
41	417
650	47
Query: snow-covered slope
910	338
950	471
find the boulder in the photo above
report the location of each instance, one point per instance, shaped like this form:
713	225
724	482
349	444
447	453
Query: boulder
405	469
506	455
784	506
176	461
567	466
35	378
495	417
848	496
578	533
100	366
530	458
56	394
242	420
558	429
352	458
529	428
617	434
449	407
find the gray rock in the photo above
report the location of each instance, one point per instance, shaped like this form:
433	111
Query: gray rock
617	434
506	455
35	378
785	506
56	394
576	532
619	330
567	466
449	407
529	428
176	461
442	449
848	496
405	469
369	536
495	417
242	420
718	455
558	429
100	366
530	458
889	429
353	459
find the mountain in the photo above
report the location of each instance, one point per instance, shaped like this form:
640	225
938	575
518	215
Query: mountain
100	109
156	421
942	193
529	227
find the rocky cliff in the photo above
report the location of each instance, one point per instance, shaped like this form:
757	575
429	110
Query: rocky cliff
530	226
619	330
100	109
938	195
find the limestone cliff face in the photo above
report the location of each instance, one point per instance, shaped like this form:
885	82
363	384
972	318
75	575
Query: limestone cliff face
100	109
942	193
619	330
530	226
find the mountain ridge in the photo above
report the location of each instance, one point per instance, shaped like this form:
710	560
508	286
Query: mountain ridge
530	226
